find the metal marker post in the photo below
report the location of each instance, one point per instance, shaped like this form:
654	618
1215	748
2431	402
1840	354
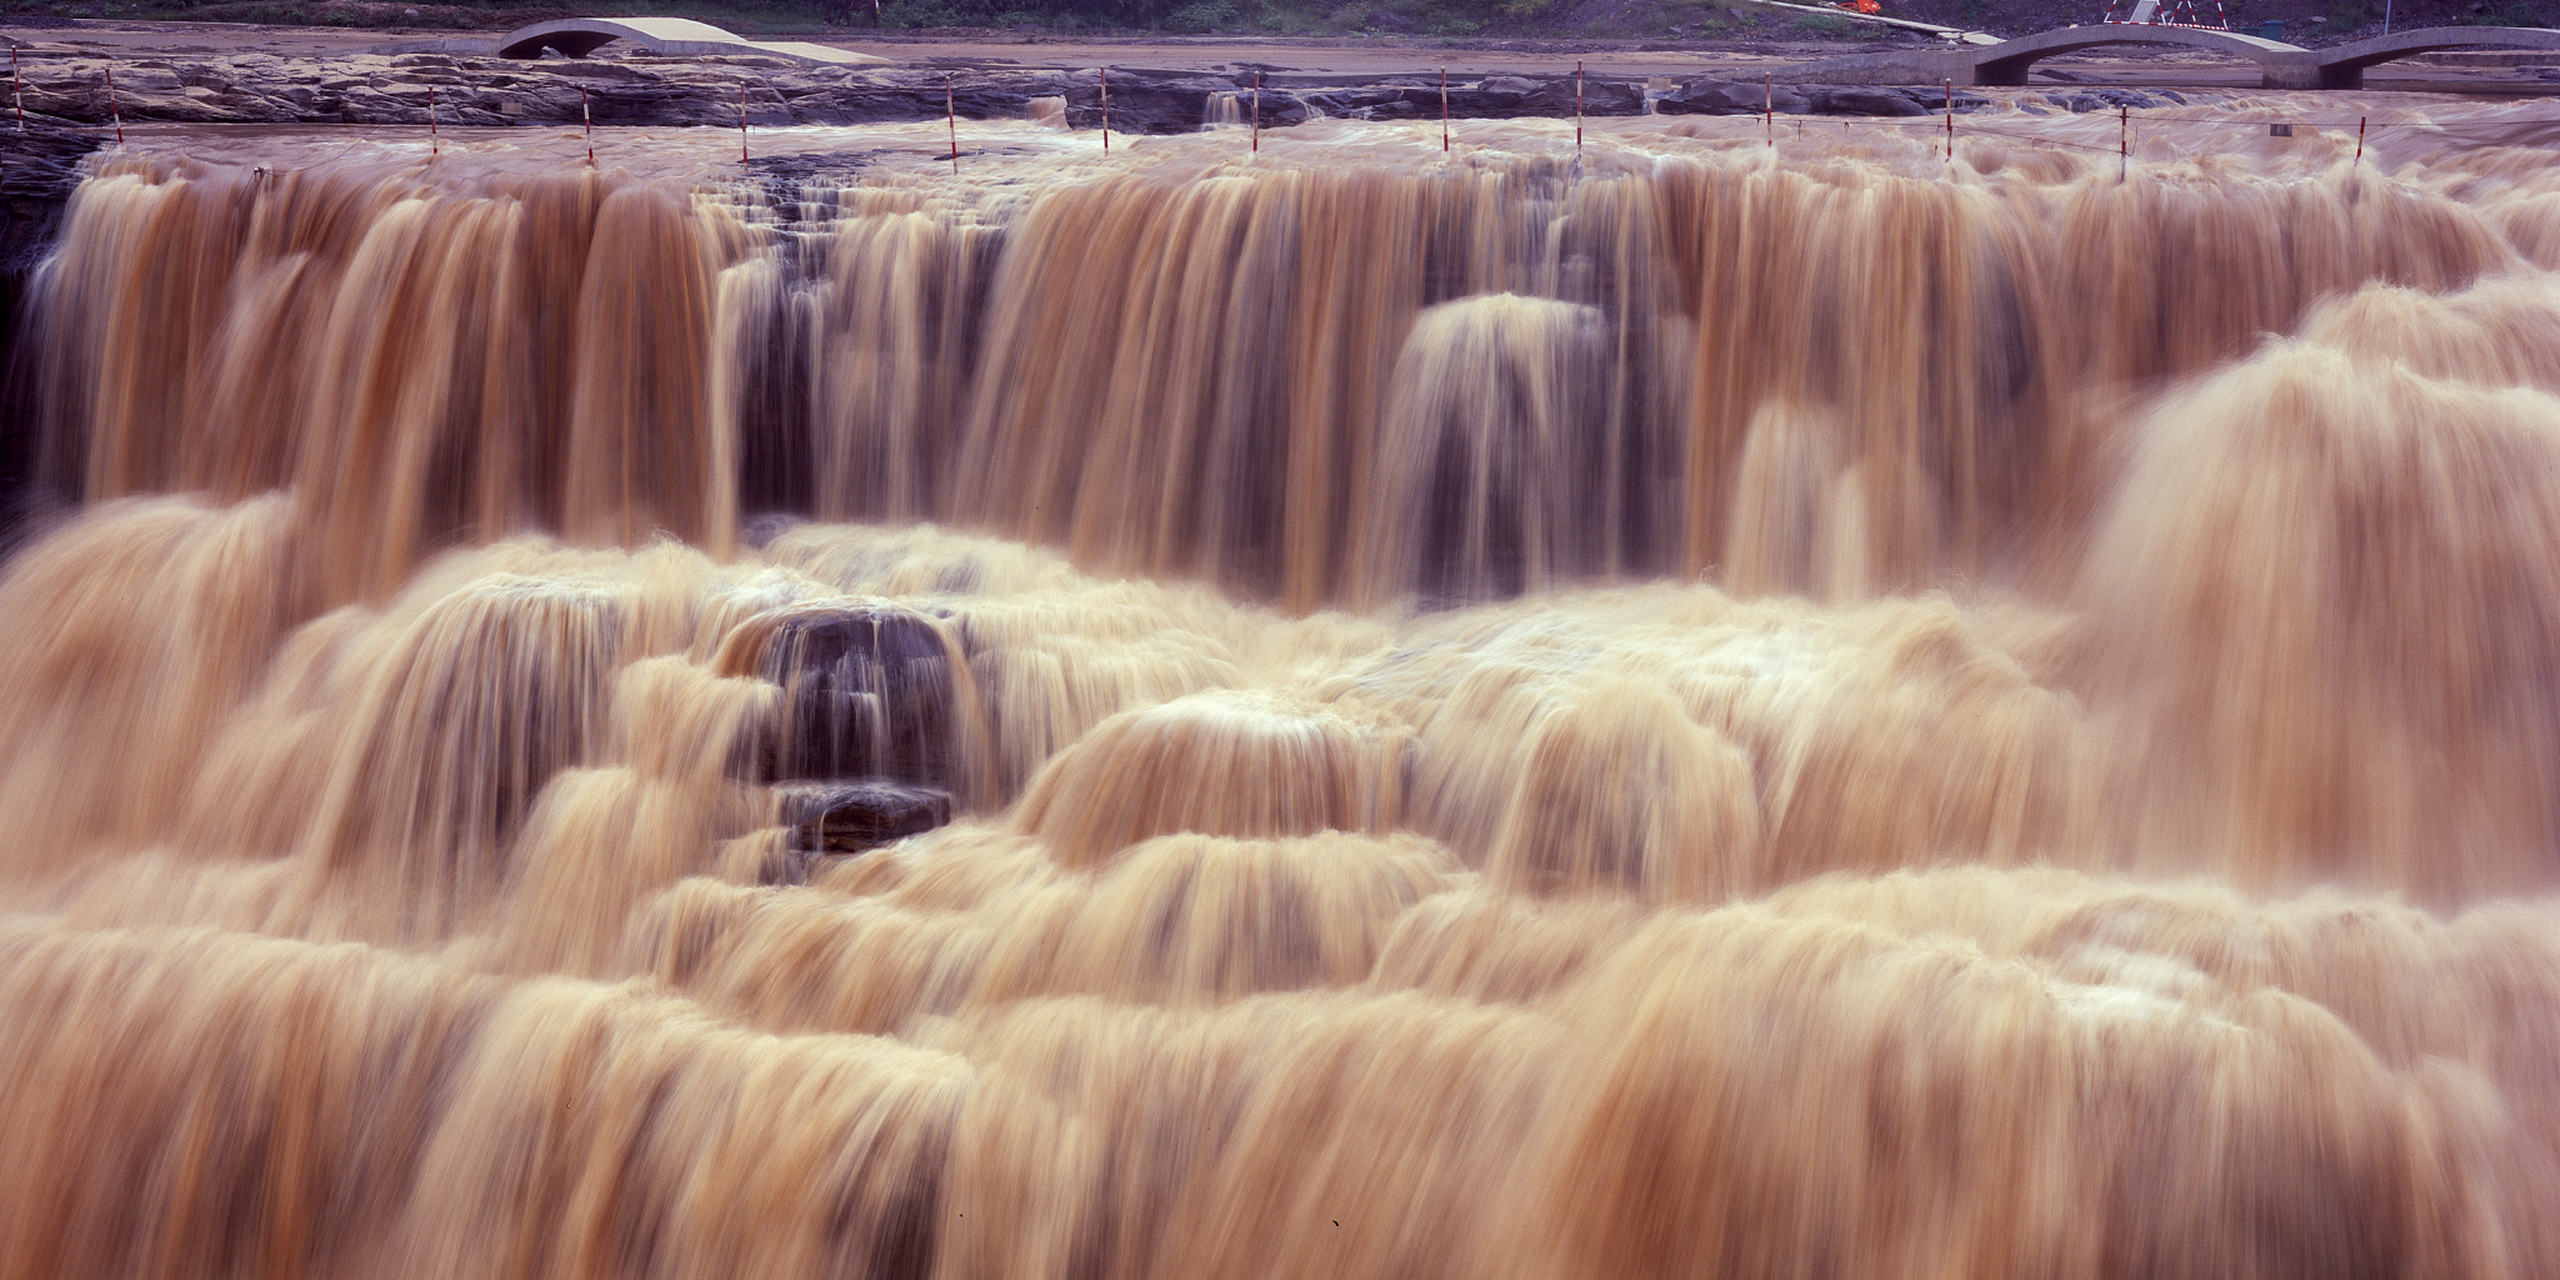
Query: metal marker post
1577	104
1444	110
1257	112
1951	121
1102	76
2124	142
112	108
2359	141
742	125
951	115
435	140
588	115
17	89
1769	107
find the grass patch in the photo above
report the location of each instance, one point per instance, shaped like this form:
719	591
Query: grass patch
2516	13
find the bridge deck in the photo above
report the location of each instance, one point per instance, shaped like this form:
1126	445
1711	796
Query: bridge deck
2343	67
2280	65
578	37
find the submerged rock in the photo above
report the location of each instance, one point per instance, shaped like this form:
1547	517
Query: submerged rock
846	818
861	815
867	693
865	813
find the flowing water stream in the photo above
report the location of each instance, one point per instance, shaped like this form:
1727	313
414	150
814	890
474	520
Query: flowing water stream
1694	708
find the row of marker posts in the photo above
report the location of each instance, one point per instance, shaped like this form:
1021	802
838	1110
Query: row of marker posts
1102	78
951	113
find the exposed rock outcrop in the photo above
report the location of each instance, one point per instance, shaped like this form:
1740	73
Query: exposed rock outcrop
1733	97
64	85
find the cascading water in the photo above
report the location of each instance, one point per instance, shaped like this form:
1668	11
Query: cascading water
1710	709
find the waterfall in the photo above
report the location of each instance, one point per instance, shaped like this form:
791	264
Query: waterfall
1697	710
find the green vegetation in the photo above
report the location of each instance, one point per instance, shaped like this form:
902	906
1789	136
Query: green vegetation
1277	17
2517	13
747	17
1823	26
1451	18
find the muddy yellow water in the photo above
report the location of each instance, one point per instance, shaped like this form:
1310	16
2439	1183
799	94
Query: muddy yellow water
1701	708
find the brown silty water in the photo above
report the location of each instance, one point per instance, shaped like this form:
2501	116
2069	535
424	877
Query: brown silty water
1696	708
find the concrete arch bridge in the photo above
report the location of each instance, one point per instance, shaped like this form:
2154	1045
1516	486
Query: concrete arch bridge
2280	65
680	37
2343	67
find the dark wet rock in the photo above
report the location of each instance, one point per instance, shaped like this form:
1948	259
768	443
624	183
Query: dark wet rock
2108	99
1731	97
1704	98
1278	110
1410	102
1156	102
1747	98
847	818
867	692
1599	98
2134	98
1496	97
1935	101
38	168
1366	104
1854	100
851	816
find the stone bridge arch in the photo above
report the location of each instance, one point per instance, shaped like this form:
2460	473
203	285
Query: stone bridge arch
2343	67
2281	65
578	37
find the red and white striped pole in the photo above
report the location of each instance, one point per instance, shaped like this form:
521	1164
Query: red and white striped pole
1951	121
117	112
951	117
1102	76
587	114
1257	112
1577	104
1769	107
1444	110
2359	141
2124	143
435	139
